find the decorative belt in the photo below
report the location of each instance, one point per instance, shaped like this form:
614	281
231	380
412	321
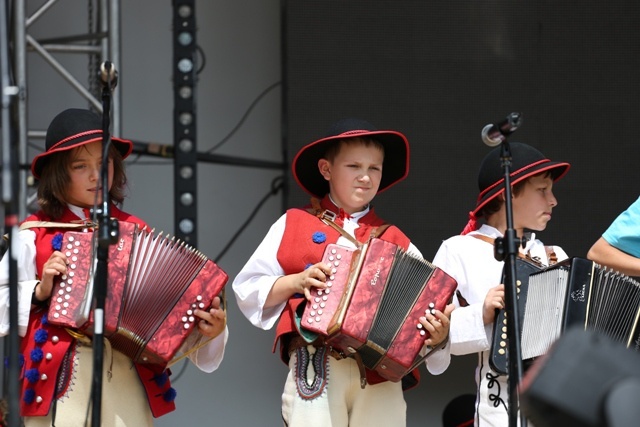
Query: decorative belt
296	341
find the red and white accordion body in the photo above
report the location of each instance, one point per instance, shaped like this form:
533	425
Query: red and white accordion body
154	284
373	300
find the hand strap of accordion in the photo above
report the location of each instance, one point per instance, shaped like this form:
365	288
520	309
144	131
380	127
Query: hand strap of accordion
201	344
431	350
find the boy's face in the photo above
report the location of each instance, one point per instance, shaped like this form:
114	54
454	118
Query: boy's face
533	205
354	175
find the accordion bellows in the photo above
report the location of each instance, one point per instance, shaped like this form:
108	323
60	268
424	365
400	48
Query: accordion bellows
372	303
154	284
575	291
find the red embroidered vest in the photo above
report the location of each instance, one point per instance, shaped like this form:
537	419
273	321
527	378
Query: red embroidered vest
44	347
299	249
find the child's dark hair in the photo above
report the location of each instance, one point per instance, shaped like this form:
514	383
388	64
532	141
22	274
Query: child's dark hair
334	149
54	181
496	203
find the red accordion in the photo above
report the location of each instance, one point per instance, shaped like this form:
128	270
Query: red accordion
154	284
373	300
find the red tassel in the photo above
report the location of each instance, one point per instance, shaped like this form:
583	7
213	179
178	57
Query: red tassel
472	225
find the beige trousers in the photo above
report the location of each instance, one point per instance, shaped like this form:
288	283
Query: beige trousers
343	402
124	401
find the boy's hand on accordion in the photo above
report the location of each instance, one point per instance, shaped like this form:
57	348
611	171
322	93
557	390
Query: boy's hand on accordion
301	283
213	320
313	277
492	302
437	325
55	266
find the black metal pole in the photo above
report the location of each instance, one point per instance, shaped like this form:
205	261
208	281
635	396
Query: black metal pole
9	200
507	248
107	235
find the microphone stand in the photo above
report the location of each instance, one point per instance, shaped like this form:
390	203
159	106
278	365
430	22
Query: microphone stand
9	190
506	249
108	232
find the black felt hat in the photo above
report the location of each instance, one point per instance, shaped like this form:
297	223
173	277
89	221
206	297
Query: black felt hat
70	129
526	162
396	155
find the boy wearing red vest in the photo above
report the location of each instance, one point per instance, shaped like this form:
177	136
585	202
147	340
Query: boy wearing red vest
342	172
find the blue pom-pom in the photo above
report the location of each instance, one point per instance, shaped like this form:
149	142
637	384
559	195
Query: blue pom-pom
29	395
319	237
36	355
32	375
169	395
161	379
56	242
41	336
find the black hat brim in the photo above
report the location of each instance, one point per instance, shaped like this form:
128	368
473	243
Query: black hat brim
395	167
557	169
124	147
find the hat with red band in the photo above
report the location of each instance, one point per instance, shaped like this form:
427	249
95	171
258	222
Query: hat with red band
526	162
70	129
395	167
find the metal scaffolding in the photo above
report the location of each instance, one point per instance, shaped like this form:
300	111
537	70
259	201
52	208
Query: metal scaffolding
101	42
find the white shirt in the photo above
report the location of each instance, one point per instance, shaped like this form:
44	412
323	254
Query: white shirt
471	262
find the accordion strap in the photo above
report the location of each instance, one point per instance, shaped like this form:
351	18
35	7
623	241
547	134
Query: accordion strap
329	217
205	341
46	224
50	224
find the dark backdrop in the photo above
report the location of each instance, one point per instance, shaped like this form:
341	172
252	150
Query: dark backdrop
439	72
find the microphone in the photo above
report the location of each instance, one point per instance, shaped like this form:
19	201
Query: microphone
494	134
108	75
153	149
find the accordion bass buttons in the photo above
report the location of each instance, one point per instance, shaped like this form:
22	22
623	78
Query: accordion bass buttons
189	318
432	310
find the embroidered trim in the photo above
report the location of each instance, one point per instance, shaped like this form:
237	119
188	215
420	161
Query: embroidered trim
320	364
67	374
493	382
